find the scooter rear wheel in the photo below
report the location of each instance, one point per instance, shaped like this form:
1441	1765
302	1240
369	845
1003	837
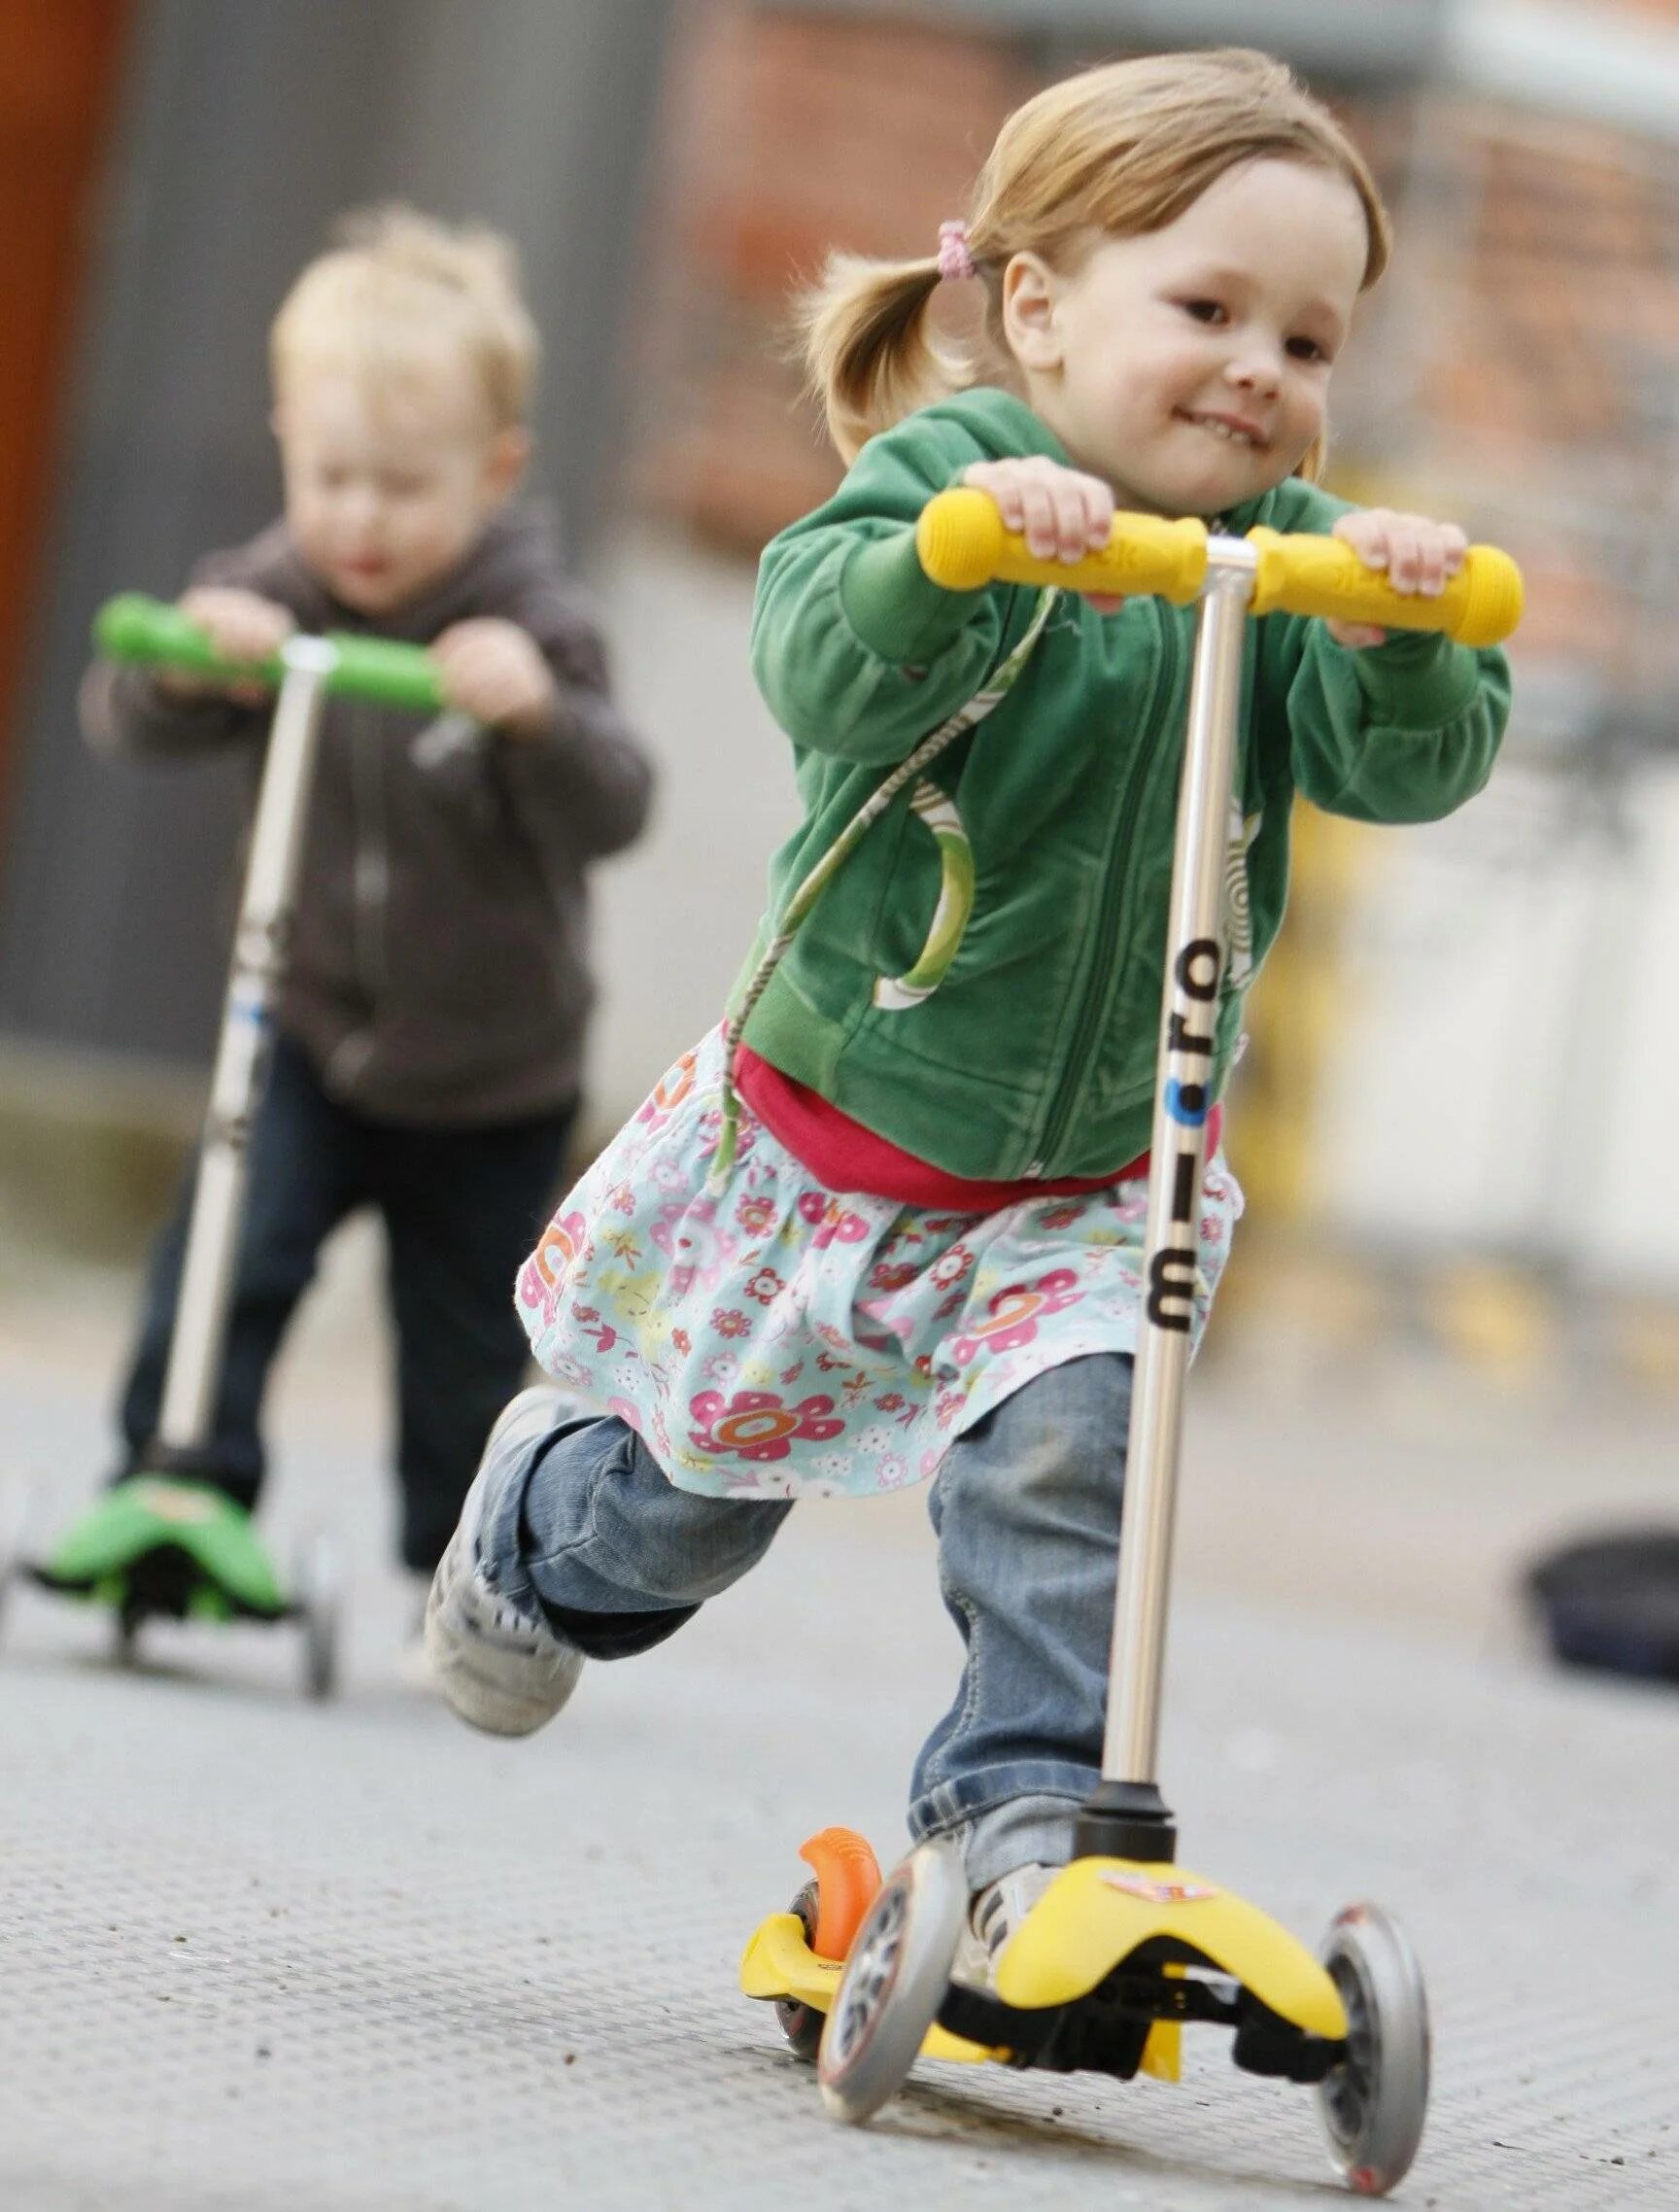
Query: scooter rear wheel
803	2025
319	1606
1374	2103
897	1972
14	1514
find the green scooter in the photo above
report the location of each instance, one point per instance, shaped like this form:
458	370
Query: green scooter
166	1544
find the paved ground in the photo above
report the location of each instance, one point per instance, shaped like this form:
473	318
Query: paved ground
256	1954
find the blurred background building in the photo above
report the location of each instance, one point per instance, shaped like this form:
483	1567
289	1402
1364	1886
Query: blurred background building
1454	1113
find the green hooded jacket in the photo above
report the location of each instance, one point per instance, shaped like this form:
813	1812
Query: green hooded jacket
1035	1053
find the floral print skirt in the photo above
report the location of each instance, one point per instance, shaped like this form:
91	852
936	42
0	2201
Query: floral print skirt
773	1339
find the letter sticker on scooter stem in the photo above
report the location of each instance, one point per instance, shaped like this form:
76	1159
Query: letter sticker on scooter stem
1183	1187
1171	1288
1192	985
1182	1038
1195	975
1186	1102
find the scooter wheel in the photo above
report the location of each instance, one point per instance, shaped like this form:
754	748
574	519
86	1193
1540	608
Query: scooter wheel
319	1606
13	1515
803	2025
896	1975
1373	2104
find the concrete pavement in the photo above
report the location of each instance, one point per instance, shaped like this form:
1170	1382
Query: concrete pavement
356	1959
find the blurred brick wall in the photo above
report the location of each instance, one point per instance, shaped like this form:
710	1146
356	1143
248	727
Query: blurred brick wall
1548	384
789	136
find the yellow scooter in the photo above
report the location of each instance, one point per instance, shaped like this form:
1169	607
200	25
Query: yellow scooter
1125	1945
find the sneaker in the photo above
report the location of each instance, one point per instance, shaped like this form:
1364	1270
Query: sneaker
500	1668
414	1668
995	1914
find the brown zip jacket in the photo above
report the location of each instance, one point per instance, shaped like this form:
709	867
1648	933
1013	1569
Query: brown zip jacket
440	967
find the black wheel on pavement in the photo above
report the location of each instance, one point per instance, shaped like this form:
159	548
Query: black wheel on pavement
13	1515
1374	2103
319	1600
803	2025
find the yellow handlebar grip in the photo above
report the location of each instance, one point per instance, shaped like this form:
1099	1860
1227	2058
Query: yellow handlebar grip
960	540
963	545
1479	605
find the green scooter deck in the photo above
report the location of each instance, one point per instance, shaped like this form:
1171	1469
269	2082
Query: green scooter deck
158	1544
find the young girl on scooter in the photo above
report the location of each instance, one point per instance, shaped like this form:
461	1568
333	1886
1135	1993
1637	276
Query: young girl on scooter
886	1225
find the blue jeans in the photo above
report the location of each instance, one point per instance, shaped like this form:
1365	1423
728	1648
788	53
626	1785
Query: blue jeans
587	1529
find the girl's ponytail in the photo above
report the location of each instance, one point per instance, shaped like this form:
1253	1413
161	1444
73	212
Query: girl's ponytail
869	354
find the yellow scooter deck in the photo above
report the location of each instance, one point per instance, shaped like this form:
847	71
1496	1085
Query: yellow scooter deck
1095	1915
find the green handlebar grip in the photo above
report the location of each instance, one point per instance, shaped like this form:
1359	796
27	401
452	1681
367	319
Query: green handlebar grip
379	670
386	673
134	628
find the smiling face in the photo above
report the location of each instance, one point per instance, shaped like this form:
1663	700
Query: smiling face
388	483
1189	366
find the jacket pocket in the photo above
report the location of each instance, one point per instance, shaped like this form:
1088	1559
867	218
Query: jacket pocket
936	811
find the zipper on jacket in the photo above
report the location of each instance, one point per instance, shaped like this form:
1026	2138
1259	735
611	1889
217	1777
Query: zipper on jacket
373	854
370	883
1099	983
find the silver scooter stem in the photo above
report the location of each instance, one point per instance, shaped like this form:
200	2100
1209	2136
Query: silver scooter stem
1189	1009
259	949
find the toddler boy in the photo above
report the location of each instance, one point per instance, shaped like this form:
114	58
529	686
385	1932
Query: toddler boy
431	1025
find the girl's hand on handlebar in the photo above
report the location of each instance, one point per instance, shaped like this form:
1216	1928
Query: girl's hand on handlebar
1061	513
493	670
1419	556
241	626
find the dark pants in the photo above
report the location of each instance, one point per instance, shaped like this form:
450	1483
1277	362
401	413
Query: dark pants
462	1208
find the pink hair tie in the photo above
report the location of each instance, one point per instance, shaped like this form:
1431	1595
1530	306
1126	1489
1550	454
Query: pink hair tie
955	259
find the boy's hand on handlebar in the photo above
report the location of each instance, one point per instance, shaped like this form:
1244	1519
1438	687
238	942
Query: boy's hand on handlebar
493	670
241	626
1061	513
1419	556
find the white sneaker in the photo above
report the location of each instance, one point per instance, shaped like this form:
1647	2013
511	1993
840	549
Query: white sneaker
995	1914
499	1668
414	1668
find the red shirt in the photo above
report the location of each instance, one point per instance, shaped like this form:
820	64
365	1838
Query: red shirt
843	1155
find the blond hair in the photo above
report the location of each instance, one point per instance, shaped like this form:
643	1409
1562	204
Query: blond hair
398	288
1115	151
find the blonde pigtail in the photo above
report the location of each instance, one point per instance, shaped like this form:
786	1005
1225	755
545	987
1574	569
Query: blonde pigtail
870	356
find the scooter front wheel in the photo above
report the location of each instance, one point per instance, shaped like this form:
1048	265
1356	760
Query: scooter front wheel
1374	2103
897	1972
